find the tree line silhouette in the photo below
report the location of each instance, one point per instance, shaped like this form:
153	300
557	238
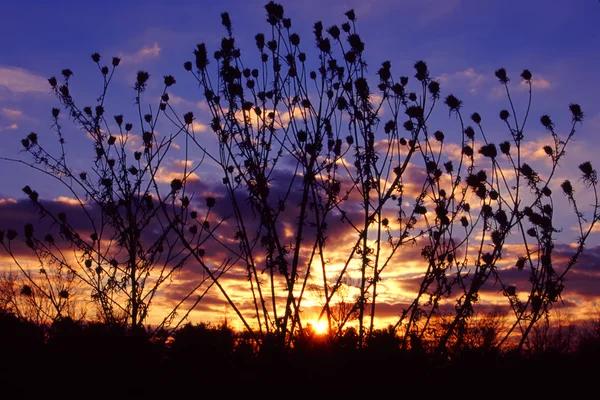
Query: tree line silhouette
98	360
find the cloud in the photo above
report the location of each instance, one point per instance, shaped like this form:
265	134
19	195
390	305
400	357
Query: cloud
533	150
198	127
69	200
474	81
144	53
165	176
176	100
400	279
20	80
12	114
537	82
183	163
10	127
469	78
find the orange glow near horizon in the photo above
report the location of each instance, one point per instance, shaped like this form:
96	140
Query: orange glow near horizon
320	327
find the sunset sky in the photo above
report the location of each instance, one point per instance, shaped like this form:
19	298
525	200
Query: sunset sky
462	41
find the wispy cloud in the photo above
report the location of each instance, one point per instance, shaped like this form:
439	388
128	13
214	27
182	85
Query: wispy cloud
537	82
198	127
477	82
175	100
144	53
12	113
10	127
19	80
164	175
469	78
68	200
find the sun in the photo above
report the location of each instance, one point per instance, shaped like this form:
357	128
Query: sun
320	327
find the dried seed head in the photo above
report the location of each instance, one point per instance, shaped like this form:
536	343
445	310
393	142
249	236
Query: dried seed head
526	75
176	185
226	21
422	72
334	31
489	150
469	132
200	56
467	151
169	80
567	188
141	81
520	264
589	174
502	76
434	89
576	111
453	103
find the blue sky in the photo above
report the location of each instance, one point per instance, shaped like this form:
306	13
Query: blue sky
463	42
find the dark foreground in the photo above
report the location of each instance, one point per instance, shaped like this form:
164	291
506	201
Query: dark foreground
73	361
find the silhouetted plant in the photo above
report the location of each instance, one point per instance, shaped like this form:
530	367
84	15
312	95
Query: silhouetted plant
42	297
324	123
557	334
111	237
302	146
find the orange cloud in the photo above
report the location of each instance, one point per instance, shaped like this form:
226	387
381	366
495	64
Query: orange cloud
69	200
198	127
10	127
144	53
163	175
